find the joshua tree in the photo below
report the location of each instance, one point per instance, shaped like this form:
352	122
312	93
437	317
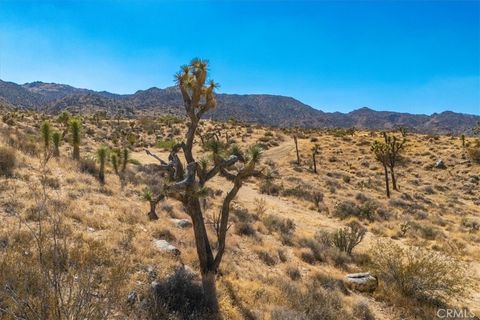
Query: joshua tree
296	148
75	128
189	185
315	149
463	141
46	136
64	119
102	153
114	161
149	196
380	151
395	148
125	158
56	138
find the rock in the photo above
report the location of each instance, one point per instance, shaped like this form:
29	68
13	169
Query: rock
132	297
363	282
440	165
151	273
181	223
165	246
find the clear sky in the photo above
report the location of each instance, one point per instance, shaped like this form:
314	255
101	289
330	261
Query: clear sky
418	57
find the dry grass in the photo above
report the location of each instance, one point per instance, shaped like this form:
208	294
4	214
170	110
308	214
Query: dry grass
109	237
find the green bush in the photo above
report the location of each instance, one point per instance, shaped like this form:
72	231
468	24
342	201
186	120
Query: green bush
366	210
278	224
419	273
166	144
348	238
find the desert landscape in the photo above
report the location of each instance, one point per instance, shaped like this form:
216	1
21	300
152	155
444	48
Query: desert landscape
239	160
104	217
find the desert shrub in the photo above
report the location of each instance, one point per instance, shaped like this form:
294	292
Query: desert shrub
426	231
267	258
311	302
88	166
59	276
348	238
244	229
8	161
474	152
419	273
165	144
179	294
308	257
365	210
163	233
278	224
293	273
361	311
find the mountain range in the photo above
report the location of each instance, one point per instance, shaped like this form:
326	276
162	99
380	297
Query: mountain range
264	109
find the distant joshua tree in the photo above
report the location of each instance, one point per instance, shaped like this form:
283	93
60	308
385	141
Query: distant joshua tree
114	161
395	148
153	200
102	154
296	148
315	149
125	158
189	184
75	128
389	153
64	119
56	139
46	137
380	150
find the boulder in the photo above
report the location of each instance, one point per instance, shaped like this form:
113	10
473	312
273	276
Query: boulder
440	165
363	282
132	297
165	246
181	223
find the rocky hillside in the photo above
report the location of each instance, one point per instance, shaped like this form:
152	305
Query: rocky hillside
263	109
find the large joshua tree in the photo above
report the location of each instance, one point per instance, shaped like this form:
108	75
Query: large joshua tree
188	184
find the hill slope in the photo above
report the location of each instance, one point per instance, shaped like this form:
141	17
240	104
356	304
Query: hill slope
263	109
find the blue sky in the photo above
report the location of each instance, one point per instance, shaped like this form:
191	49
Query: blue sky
419	57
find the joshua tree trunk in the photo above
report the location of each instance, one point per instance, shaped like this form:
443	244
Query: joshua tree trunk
101	174
296	148
210	292
394	180
152	215
387	187
314	163
76	152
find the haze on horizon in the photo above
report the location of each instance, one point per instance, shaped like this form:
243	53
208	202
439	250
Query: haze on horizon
417	57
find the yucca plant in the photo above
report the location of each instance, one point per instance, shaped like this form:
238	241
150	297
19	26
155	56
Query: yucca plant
148	196
75	128
56	138
114	161
125	158
46	130
102	153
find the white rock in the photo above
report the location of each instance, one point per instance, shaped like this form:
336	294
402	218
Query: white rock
363	282
165	246
181	223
